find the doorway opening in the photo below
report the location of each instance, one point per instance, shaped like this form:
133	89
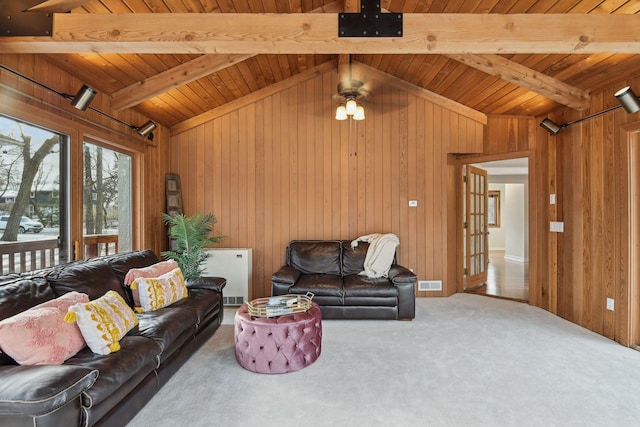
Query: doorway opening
507	233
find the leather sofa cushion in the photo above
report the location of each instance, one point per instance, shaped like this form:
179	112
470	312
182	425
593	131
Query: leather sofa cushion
353	258
19	295
94	278
165	325
319	285
201	302
120	371
358	286
363	291
39	390
315	257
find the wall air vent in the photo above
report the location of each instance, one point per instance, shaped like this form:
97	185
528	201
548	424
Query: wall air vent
430	285
234	300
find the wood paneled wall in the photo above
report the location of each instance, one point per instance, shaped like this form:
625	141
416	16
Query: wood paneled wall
282	168
594	179
24	100
587	166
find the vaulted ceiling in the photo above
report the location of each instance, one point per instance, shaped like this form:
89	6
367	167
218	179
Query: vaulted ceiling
513	57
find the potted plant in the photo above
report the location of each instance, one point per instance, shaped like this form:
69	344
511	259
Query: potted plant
190	236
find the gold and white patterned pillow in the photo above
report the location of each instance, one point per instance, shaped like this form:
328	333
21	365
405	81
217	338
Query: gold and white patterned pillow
155	293
103	322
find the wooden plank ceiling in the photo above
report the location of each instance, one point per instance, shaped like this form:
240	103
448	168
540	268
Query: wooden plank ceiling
172	88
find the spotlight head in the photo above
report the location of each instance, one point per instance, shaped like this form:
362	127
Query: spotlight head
550	126
146	129
83	98
628	100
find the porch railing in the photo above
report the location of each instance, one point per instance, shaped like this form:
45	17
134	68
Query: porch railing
94	245
21	257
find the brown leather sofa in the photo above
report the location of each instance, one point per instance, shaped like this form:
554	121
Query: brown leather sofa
91	389
329	269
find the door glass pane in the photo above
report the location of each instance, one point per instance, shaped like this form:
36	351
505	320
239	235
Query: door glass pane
33	220
107	213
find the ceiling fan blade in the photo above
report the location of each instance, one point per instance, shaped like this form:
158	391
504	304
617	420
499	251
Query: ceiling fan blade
53	6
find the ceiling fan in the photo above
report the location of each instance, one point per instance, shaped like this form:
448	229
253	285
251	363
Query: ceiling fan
351	92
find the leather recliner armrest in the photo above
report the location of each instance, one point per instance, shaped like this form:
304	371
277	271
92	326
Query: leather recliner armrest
207	282
286	274
405	281
283	279
40	390
399	274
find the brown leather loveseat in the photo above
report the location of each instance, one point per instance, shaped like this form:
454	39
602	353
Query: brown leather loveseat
329	269
90	389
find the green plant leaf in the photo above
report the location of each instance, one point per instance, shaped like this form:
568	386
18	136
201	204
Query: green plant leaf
191	236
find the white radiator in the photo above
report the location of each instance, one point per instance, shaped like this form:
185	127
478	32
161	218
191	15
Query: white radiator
235	266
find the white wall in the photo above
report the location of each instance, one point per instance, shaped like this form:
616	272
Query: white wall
515	224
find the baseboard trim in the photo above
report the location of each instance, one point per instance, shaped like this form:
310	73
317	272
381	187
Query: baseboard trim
515	259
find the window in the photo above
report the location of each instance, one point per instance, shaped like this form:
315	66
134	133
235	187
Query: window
107	201
493	208
32	196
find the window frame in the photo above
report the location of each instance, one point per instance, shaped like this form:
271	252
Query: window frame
495	195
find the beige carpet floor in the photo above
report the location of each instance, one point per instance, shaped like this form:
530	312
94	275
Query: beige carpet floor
466	360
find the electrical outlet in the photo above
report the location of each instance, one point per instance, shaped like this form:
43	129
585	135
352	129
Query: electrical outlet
610	304
552	199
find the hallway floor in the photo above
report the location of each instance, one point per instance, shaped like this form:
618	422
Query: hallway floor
505	279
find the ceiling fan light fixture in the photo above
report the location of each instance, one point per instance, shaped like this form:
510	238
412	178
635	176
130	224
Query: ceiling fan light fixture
351	106
628	100
341	112
359	114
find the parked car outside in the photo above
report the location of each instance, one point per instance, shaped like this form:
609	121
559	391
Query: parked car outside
26	224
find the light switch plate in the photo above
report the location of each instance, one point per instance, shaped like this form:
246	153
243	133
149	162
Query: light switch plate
610	304
557	227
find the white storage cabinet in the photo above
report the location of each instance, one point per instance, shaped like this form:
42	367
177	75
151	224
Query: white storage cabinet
234	264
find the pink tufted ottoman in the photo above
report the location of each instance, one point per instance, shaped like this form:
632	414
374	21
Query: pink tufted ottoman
278	345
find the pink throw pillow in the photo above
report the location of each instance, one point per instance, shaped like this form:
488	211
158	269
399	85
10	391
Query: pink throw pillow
40	336
155	270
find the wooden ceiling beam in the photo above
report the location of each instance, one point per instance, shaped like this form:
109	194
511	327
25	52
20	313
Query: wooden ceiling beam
185	73
53	6
527	78
177	76
306	33
440	100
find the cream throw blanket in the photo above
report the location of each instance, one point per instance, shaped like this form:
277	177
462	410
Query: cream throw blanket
382	248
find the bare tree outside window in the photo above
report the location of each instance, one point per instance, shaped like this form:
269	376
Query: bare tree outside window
28	158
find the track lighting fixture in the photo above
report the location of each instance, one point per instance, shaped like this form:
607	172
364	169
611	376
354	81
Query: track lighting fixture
628	100
146	130
82	100
551	126
625	96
